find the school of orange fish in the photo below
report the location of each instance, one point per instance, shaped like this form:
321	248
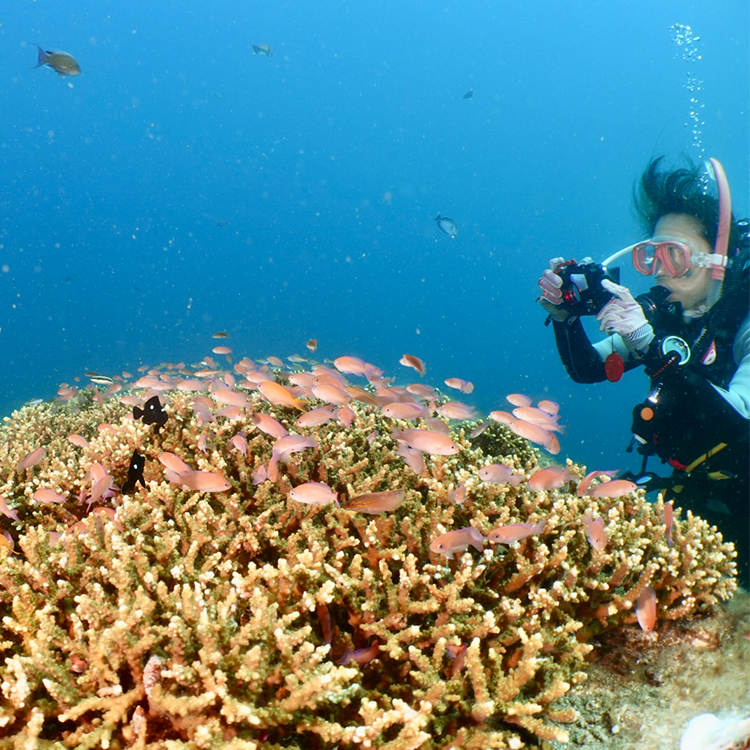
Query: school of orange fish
323	393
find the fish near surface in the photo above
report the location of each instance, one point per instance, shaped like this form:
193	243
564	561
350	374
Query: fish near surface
62	63
457	541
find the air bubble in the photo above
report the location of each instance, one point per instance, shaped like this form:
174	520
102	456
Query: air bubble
686	42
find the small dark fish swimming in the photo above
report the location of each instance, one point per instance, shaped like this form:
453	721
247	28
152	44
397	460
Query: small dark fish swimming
447	225
262	49
152	413
468	94
135	473
61	62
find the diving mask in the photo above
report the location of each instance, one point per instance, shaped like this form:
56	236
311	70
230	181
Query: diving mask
672	256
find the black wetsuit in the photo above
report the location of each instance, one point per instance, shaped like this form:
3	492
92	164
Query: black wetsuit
685	421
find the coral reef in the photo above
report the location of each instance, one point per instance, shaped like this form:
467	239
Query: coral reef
199	618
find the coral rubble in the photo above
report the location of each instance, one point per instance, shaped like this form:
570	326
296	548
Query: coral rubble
200	618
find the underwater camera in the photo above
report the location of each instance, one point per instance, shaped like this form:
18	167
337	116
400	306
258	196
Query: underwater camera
582	290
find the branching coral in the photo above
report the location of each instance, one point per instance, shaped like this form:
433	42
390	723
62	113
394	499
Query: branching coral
243	619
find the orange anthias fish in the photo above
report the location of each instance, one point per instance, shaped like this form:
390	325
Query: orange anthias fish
280	396
614	488
427	441
199	481
409	360
595	532
645	609
514	532
376	502
313	493
457	541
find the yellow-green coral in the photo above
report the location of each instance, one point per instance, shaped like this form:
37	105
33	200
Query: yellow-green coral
229	619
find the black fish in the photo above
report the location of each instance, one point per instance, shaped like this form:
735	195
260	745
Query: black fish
135	473
152	413
468	94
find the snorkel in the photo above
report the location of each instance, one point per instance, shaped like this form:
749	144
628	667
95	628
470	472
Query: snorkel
719	258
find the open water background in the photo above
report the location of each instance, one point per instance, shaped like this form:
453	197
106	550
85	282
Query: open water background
181	185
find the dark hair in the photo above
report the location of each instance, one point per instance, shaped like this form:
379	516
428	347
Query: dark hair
681	191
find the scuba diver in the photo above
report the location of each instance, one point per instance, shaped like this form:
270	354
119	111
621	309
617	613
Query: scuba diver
690	333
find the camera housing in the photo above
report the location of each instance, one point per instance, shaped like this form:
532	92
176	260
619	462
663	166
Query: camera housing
582	290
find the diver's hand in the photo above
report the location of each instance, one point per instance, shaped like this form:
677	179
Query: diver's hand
551	297
623	315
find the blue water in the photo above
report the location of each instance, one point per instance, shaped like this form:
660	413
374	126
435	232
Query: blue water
181	185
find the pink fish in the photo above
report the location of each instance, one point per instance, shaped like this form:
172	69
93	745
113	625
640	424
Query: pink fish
409	360
376	502
266	423
413	457
532	432
345	416
260	475
551	478
499	474
31	459
595	532
586	481
457	541
315	417
231	398
313	493
503	417
518	399
173	462
221	350
478	430
422	391
456	410
289	444
6	511
199	481
514	532
404	410
239	443
645	609
354	366
427	441
460	385
536	416
613	488
550	407
78	440
458	496
48	496
332	394
360	656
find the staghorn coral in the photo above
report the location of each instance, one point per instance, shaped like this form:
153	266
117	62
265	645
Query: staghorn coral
243	619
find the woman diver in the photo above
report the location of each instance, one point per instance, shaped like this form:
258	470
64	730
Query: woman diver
690	333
